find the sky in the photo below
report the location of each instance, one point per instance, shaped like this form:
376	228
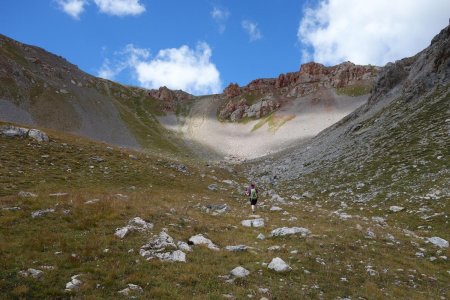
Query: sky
201	46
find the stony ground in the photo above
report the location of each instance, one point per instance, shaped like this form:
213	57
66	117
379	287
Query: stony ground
81	219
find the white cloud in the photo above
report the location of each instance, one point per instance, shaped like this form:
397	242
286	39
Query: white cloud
252	30
73	8
182	68
371	31
120	7
220	16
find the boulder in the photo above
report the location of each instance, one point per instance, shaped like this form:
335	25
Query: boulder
217	209
437	241
240	272
290	231
253	223
174	256
184	246
135	224
395	208
158	246
23	194
34	273
199	239
38	135
41	213
132	288
278	265
237	248
74	284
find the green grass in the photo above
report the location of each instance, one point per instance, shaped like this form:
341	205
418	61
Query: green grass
170	199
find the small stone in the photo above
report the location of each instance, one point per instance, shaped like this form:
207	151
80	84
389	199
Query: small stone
213	187
260	236
58	194
240	272
274	248
395	208
253	223
275	208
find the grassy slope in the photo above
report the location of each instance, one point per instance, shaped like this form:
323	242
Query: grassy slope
136	109
170	199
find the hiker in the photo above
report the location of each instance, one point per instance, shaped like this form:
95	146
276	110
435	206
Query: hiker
252	192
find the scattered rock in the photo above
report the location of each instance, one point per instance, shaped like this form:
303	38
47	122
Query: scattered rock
184	246
199	239
274	248
132	288
278	265
42	212
307	194
437	241
216	209
121	197
261	236
135	224
23	194
370	234
253	223
38	135
34	273
92	201
237	248
240	272
290	231
275	208
395	208
58	194
157	248
13	131
212	187
74	284
11	208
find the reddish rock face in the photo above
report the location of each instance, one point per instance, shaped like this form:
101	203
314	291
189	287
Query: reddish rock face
169	97
232	90
310	78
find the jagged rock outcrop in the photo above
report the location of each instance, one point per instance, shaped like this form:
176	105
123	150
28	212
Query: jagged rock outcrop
272	93
169	98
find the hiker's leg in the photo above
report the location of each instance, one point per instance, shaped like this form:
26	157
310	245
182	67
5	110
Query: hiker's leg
253	208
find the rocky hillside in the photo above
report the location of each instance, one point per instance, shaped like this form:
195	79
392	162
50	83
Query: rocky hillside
394	149
263	96
39	88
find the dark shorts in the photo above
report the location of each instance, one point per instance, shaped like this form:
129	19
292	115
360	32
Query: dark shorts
253	201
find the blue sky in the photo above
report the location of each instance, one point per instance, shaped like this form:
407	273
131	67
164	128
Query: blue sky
203	45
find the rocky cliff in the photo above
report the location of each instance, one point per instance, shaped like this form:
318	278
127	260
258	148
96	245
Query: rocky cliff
263	96
396	144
